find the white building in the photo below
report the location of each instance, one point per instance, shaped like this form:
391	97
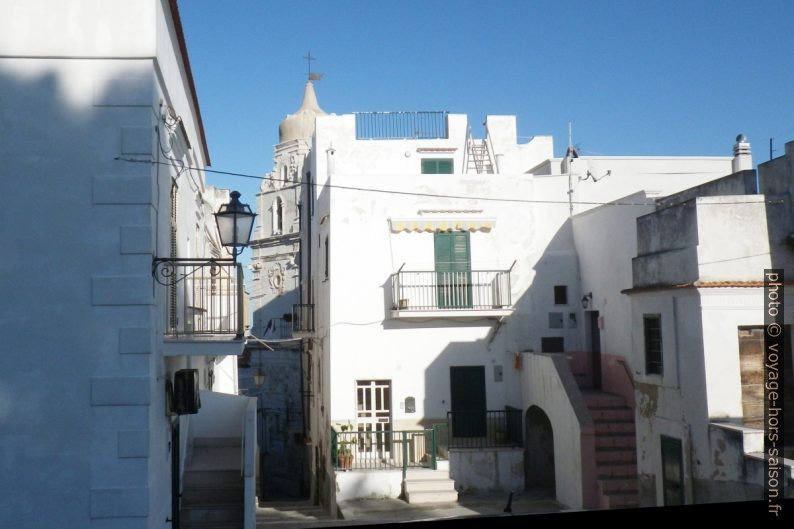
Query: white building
99	181
443	271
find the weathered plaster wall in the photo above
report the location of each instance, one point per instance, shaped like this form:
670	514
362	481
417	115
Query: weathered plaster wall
481	470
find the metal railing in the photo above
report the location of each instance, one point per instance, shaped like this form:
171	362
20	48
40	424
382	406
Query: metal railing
401	125
463	290
205	297
485	429
383	450
303	317
278	329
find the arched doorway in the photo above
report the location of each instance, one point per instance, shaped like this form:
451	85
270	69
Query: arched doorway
538	452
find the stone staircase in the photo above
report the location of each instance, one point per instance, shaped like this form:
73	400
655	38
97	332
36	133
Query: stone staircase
429	486
616	451
212	493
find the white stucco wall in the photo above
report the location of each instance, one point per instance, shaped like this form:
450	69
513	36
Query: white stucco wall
82	84
357	339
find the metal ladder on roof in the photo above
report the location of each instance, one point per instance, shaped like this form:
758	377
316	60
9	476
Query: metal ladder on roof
478	156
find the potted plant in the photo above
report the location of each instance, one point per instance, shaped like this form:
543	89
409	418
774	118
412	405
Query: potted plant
344	455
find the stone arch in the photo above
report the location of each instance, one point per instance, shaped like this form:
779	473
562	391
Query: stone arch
538	451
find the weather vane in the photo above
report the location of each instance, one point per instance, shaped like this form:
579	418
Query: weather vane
312	76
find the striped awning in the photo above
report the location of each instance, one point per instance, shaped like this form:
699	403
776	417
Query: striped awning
442	224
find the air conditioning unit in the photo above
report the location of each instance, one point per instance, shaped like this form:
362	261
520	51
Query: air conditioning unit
186	392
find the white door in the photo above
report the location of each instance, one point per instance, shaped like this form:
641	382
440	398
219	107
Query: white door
373	402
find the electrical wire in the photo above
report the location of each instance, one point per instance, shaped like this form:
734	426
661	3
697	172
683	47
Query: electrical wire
435	195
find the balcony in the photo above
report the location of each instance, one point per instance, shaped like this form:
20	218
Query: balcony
204	312
458	294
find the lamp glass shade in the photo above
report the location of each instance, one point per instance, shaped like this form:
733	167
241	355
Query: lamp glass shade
235	222
259	378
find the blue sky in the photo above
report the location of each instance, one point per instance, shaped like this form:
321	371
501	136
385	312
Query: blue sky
634	77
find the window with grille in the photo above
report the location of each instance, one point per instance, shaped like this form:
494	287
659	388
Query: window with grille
652	325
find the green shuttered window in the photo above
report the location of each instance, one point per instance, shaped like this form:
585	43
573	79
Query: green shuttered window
437	166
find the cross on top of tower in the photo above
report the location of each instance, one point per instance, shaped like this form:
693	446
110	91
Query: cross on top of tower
309	60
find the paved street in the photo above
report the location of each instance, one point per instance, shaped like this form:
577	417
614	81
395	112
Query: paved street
301	514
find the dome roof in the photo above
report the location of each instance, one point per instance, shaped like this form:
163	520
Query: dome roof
300	125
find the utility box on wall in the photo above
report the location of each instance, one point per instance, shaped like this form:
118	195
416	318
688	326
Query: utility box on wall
186	392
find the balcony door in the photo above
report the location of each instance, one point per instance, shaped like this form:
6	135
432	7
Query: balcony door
373	417
453	269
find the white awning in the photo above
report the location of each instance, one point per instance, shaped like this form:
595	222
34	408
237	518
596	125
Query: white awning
442	224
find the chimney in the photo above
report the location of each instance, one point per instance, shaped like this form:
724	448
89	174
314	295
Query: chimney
742	159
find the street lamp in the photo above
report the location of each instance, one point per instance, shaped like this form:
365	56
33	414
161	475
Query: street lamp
235	223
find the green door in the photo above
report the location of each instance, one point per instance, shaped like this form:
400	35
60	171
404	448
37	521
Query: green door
672	471
453	269
467	401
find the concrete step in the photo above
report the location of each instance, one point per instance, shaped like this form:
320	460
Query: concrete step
211	525
607	414
212	478
429	485
222	512
616	470
619	485
606	427
201	495
417	497
600	399
616	440
217	441
615	454
214	458
419	474
617	501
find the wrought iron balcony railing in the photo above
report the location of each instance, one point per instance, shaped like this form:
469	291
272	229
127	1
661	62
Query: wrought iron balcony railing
485	429
205	297
401	125
279	328
460	290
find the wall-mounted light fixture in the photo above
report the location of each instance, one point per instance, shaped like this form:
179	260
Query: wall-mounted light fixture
259	375
235	222
586	299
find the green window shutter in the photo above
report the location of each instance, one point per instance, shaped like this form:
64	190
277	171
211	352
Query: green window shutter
443	251
453	269
429	167
437	166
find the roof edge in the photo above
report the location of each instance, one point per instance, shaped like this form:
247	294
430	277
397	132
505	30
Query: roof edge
180	37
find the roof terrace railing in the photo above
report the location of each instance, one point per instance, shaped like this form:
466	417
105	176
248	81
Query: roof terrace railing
401	125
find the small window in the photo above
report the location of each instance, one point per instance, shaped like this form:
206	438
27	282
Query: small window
554	344
555	320
652	324
437	166
327	258
560	295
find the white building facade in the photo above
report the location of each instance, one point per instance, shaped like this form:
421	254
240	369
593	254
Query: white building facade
100	180
445	275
